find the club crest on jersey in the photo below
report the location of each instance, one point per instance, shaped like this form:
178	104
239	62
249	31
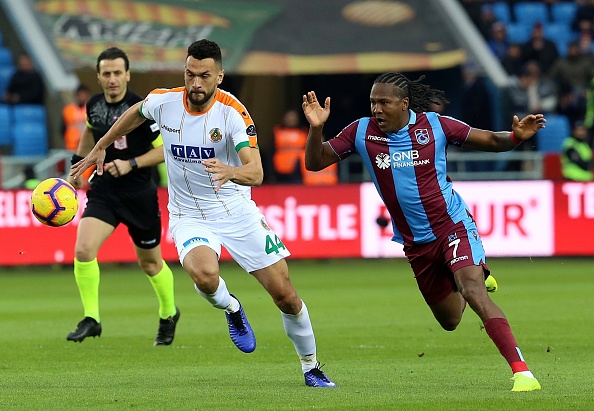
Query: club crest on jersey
452	237
121	143
216	135
422	135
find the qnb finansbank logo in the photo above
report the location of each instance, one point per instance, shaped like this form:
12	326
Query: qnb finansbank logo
191	154
400	159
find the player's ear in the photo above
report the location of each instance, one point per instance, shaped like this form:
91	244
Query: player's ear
405	103
220	78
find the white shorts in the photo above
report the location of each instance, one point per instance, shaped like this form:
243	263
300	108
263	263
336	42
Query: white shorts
247	237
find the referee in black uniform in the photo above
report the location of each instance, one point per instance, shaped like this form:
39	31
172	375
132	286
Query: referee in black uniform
125	194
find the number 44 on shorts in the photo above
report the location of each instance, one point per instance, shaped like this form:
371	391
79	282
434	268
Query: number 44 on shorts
273	246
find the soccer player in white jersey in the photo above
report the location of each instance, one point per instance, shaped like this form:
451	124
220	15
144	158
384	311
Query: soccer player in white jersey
212	160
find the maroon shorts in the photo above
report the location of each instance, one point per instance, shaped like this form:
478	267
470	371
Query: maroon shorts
434	263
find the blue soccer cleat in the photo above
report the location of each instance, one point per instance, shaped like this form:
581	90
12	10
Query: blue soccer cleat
316	378
240	331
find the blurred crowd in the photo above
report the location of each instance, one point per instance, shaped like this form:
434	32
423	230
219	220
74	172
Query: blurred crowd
547	48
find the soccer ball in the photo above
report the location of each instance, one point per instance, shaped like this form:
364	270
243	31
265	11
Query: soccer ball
54	202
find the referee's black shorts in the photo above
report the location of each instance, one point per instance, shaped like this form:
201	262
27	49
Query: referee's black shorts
138	210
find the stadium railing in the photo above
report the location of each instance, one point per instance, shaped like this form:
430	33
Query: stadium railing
54	164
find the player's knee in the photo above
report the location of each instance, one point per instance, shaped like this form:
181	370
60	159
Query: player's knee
205	278
150	266
287	300
82	253
474	296
449	324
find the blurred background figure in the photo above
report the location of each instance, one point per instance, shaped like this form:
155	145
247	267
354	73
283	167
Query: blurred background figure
540	49
576	155
74	117
498	42
476	107
289	145
25	85
512	62
31	179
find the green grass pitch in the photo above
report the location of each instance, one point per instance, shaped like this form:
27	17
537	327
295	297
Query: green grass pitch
375	335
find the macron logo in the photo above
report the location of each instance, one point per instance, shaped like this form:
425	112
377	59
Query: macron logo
378	138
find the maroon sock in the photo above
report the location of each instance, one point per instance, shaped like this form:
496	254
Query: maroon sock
500	332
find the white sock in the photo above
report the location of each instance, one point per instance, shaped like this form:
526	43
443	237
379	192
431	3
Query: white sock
298	328
221	297
526	374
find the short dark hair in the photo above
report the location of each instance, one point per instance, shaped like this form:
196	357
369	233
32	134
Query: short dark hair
113	53
420	95
204	49
82	87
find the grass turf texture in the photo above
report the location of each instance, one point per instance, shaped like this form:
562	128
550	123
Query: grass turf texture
375	334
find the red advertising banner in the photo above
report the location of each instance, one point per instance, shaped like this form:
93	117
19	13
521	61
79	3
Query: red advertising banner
574	218
314	222
515	218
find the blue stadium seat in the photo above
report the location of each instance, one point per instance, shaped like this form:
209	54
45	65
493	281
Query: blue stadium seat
5	76
5	120
29	139
518	32
562	47
531	12
564	11
550	138
561	35
559	31
5	57
29	113
501	11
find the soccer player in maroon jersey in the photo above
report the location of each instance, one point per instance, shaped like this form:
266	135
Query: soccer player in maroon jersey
403	146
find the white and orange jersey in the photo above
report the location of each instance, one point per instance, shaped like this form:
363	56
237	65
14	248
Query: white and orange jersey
190	137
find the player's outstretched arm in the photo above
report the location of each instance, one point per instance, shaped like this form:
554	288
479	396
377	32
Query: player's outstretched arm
527	127
318	155
118	168
485	140
128	121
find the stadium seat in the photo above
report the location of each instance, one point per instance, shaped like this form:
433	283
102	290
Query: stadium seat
531	12
561	35
550	138
29	139
562	46
5	120
563	12
5	57
501	11
5	76
559	31
518	32
29	113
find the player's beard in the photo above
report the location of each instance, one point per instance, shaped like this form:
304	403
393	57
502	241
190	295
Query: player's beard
200	101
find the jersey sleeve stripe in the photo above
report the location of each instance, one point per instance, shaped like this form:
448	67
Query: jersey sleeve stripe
231	101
